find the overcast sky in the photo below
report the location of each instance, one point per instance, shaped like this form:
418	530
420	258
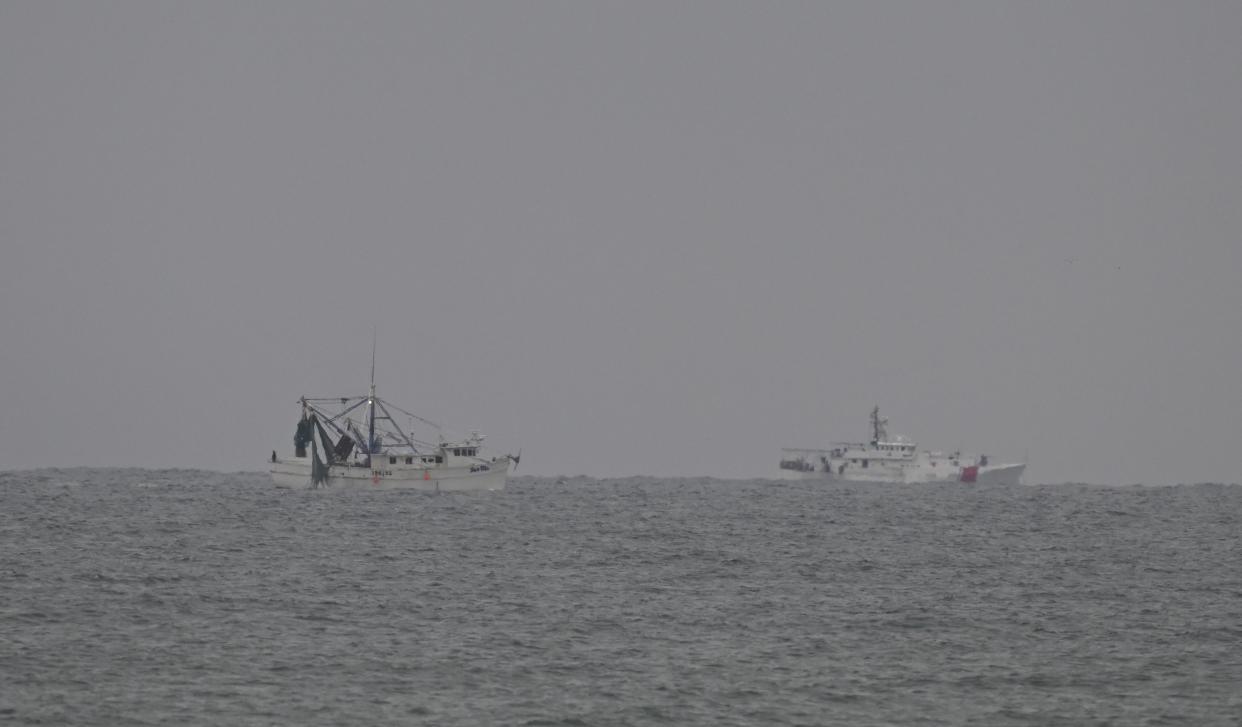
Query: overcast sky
663	238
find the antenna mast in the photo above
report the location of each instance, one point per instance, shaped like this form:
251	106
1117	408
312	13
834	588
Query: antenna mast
371	401
879	432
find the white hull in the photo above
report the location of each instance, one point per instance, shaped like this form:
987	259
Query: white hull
1001	474
295	473
893	460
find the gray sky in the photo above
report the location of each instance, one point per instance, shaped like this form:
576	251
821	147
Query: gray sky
661	238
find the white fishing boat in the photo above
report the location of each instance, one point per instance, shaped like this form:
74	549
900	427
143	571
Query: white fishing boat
896	460
357	443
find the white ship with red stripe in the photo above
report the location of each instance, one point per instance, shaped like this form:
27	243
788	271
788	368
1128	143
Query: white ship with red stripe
895	460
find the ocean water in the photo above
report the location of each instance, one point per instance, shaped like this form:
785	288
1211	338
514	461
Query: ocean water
134	597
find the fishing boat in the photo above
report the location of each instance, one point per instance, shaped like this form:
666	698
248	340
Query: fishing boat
896	460
357	442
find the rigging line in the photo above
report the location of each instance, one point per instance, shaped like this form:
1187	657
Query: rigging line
428	422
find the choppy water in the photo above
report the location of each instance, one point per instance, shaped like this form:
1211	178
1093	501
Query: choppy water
183	597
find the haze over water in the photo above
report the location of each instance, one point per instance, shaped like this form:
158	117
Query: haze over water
630	238
134	596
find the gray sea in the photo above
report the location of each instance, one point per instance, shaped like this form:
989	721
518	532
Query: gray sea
142	597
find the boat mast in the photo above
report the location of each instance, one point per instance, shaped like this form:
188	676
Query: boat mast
371	401
879	432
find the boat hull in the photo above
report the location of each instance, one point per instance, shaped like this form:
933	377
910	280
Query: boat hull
295	473
1001	474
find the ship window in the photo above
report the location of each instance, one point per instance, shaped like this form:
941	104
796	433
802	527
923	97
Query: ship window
864	464
392	460
409	460
439	459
